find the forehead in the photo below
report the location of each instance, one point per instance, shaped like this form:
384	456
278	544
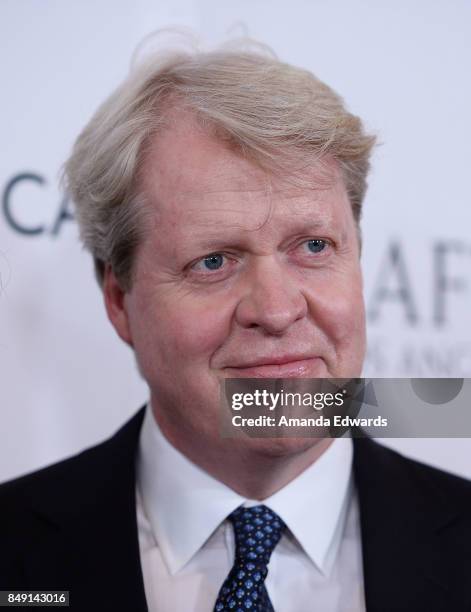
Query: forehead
191	178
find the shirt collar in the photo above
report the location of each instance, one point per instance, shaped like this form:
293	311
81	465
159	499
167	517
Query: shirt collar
314	505
175	494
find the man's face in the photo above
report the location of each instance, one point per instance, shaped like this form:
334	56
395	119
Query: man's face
241	274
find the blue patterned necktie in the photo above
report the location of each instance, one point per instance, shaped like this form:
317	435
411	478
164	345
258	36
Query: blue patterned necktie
257	531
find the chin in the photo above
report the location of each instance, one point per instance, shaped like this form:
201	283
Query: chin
281	447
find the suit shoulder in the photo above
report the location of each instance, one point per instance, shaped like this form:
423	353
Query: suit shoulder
22	500
67	479
41	481
422	475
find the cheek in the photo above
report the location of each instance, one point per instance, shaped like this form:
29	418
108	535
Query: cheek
349	324
190	330
338	308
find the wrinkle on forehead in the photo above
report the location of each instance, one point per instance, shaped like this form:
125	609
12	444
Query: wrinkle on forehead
254	219
246	178
276	200
254	206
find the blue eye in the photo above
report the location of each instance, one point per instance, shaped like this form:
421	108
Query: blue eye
213	262
316	245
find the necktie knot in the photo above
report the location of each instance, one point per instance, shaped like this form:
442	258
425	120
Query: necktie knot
257	531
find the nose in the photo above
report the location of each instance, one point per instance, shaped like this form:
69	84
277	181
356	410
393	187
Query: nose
272	300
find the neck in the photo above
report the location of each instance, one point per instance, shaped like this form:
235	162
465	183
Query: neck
256	474
253	468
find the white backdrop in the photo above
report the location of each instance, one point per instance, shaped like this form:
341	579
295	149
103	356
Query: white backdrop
66	381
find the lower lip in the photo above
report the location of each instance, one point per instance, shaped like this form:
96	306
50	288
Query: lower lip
304	368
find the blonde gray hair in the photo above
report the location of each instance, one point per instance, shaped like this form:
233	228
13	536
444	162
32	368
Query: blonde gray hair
274	113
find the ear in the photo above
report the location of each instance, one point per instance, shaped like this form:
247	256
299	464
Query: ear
115	304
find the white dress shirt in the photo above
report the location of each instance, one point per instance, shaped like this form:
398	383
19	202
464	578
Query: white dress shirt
187	543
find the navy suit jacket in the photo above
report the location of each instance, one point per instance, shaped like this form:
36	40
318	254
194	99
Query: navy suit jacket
72	526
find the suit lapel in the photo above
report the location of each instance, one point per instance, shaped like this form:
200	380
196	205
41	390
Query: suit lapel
407	565
92	537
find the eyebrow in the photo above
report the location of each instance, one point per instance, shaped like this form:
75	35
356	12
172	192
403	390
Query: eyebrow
232	237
